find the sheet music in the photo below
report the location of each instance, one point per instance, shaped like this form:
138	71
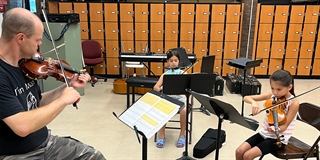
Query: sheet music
149	114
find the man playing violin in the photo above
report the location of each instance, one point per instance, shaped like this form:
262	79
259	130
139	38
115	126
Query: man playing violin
266	141
24	111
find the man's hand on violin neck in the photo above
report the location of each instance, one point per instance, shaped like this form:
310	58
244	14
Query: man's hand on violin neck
70	96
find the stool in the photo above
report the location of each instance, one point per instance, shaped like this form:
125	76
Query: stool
145	82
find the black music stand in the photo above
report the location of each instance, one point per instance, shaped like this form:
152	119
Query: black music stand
244	63
175	84
224	111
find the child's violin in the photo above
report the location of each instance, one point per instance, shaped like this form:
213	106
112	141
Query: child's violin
280	110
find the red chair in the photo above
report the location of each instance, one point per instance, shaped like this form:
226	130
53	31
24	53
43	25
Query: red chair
92	52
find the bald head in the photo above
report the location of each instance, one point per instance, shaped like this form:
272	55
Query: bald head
18	20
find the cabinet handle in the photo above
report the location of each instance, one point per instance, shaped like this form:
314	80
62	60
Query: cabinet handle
292	67
204	32
174	13
294	50
129	31
159	13
68	11
114	49
309	50
218	50
159	31
311	32
129	49
279	50
205	13
235	13
220	13
269	14
159	49
158	67
144	13
189	32
306	67
188	49
281	32
284	14
114	31
297	32
267	32
217	67
314	14
231	67
99	30
174	32
190	13
278	67
144	31
128	12
98	12
234	32
113	12
219	32
266	49
263	66
203	50
115	66
232	50
83	12
84	30
299	14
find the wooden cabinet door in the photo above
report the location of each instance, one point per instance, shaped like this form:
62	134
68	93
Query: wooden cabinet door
169	45
297	13
230	50
156	12
233	13
126	12
203	13
265	32
216	49
277	50
281	15
84	30
317	53
157	47
96	12
65	7
294	33
309	32
188	47
304	66
306	50
217	32
200	49
127	46
292	49
96	30
187	13
53	7
101	42
279	32
141	31
218	13
263	68
141	12
201	32
232	32
217	66
312	14
111	12
171	31
156	31
227	69
290	65
186	32
157	68
275	64
316	67
263	50
81	9
172	13
113	66
126	31
141	46
266	13
111	30
112	49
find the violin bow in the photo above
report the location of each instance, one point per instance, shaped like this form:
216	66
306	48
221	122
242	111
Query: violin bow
286	100
190	67
55	48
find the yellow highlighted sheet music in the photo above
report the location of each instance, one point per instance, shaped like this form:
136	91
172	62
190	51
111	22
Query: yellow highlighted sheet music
151	112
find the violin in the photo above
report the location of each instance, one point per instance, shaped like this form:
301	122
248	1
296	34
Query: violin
281	115
40	67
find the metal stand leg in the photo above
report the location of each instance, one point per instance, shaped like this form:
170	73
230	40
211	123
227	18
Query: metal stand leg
202	109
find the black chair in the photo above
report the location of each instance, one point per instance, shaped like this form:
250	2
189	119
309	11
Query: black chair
296	148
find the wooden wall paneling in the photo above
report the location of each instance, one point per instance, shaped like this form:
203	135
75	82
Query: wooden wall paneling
81	9
188	46
65	7
112	30
294	33
281	14
113	66
202	13
112	48
217	66
186	32
290	65
277	50
196	68
200	49
233	13
101	42
96	12
274	64
156	31
263	49
267	13
53	7
309	32
171	31
232	32
172	13
218	13
265	31
297	13
217	32
263	68
96	30
98	69
317	52
141	12
216	49
156	46
279	32
230	50
156	12
111	12
128	46
170	44
187	13
126	31
157	68
201	32
306	50
316	67
141	46
226	68
126	12
84	30
319	34
141	31
292	49
304	66
312	14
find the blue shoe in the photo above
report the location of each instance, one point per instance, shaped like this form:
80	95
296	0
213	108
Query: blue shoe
181	142
160	142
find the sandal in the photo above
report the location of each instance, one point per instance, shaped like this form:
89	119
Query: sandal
181	142
160	142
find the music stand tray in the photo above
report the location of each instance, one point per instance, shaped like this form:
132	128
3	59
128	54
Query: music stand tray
224	111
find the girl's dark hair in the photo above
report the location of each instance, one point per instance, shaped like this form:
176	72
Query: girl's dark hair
285	78
171	53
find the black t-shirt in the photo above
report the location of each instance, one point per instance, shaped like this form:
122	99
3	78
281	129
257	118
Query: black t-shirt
18	94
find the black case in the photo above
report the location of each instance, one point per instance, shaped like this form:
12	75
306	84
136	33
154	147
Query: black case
233	83
207	143
219	85
255	85
247	86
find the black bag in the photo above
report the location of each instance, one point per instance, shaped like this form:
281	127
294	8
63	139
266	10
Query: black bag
219	85
246	86
208	143
255	85
233	83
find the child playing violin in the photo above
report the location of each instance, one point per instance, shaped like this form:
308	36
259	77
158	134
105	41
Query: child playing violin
265	141
173	59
